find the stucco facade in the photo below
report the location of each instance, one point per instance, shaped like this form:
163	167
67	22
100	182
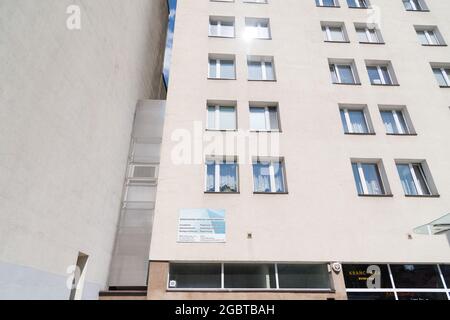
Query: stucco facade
321	218
67	103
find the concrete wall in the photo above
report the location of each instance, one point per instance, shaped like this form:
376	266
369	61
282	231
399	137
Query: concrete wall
67	101
322	218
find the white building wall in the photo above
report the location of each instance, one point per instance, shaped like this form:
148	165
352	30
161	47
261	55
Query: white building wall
67	101
322	218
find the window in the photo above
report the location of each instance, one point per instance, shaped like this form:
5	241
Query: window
355	120
416	179
442	74
415	5
79	277
396	121
198	276
327	3
248	276
269	176
429	36
395	282
362	4
343	72
221	175
334	31
264	117
221	67
368	34
221	27
291	276
257	28
261	68
381	73
368	178
221	117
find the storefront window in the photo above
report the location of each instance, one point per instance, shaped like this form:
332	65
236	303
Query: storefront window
422	296
371	296
445	268
416	276
357	276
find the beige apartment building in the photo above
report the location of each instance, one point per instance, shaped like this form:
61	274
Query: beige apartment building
304	152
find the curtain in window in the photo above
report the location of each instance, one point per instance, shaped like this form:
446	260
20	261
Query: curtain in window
357	177
420	175
227	29
407	179
228	177
344	121
279	177
261	177
257	118
336	34
270	73
210	176
211	117
254	70
362	35
227	69
212	68
358	121
227	118
422	37
273	117
213	28
439	77
389	122
345	72
372	177
374	75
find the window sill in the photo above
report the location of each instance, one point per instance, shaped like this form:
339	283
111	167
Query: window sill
417	10
367	42
221	130
360	134
444	87
255	192
333	41
328	6
376	195
348	84
402	134
434	45
253	290
221	78
260	80
385	85
213	192
422	196
266	131
363	8
222	37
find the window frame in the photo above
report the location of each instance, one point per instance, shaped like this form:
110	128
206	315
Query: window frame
425	175
381	175
218	161
220	20
217	106
218	58
263	60
350	130
266	107
272	177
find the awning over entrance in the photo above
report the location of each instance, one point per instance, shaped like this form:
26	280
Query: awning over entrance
438	226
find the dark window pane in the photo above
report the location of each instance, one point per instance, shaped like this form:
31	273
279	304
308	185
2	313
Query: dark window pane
356	276
446	272
303	276
416	276
422	296
198	276
370	296
247	276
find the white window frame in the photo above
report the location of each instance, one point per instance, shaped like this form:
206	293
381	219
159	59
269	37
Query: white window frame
263	61
444	74
267	119
349	122
358	4
259	28
272	174
338	76
328	33
217	162
219	28
381	75
217	117
413	5
419	189
219	68
395	114
430	38
370	36
364	181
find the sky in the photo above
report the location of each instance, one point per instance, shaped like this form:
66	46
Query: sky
168	54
